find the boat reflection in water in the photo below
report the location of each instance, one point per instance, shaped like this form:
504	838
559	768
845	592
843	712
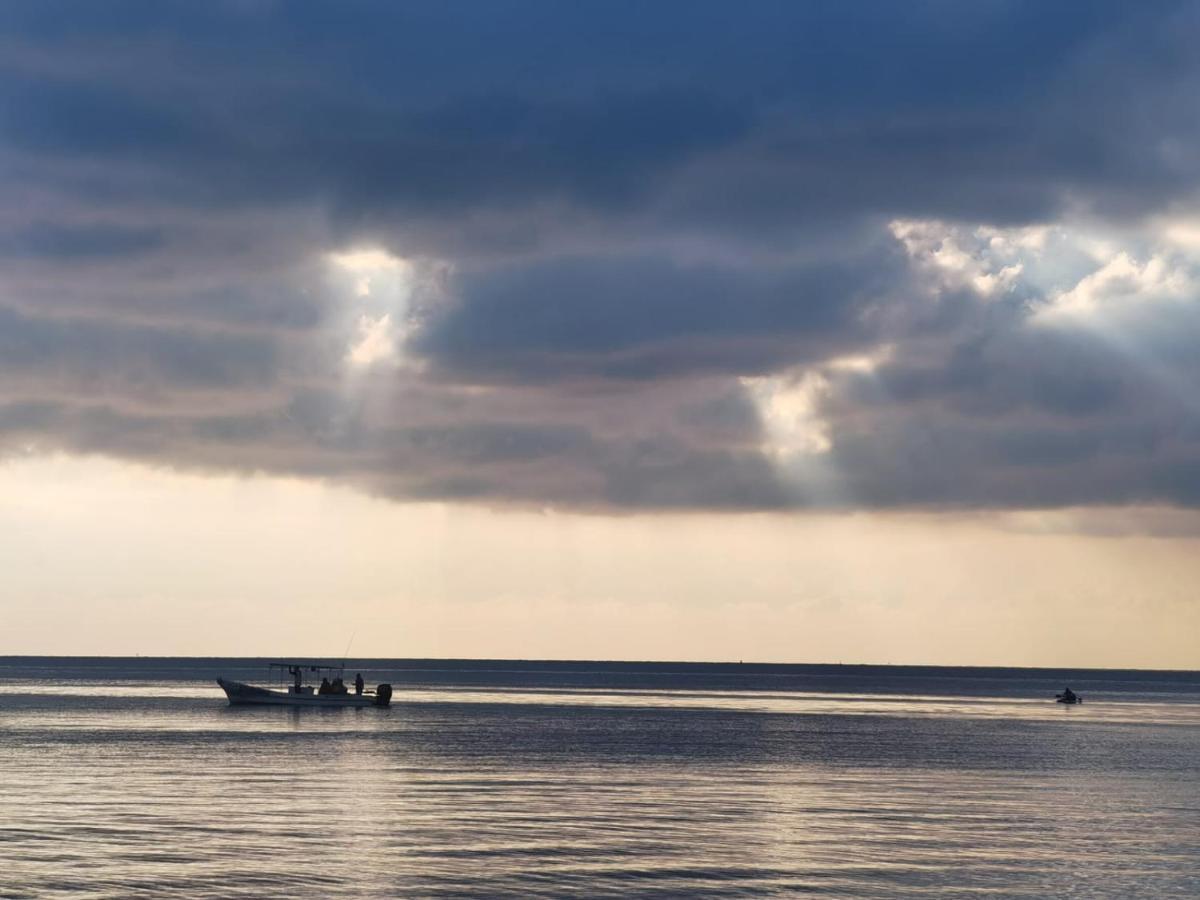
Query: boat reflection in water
332	691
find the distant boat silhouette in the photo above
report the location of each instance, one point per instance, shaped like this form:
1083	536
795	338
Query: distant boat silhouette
1068	697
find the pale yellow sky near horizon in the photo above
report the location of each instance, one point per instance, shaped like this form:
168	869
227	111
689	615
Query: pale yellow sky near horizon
105	557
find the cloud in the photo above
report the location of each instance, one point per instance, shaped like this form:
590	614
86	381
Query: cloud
63	243
121	363
641	317
610	256
403	119
1044	401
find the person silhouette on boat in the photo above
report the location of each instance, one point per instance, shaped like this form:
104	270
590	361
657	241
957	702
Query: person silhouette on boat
338	686
358	684
1069	696
325	687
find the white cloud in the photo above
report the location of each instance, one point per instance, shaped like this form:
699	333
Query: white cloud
1120	282
787	406
984	259
1031	238
372	273
368	260
376	342
378	286
1181	233
1076	271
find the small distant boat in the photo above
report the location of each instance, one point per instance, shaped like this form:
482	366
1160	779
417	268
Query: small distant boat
332	692
1068	697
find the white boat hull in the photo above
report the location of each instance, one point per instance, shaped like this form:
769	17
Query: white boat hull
240	694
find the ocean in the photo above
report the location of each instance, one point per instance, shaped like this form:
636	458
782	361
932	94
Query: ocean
127	778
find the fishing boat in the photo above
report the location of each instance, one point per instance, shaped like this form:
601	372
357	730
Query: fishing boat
331	693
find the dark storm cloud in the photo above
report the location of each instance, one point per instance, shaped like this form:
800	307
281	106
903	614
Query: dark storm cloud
62	243
487	458
628	210
1029	416
638	317
92	356
1007	369
386	111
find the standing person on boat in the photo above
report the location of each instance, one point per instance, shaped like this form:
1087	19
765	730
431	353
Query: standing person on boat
358	684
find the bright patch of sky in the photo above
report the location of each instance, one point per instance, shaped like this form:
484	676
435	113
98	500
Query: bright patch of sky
985	259
380	287
169	573
788	407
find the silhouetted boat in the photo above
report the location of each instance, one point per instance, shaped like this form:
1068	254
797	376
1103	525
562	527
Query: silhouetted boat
300	694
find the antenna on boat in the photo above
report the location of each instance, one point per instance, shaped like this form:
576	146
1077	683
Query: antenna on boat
348	643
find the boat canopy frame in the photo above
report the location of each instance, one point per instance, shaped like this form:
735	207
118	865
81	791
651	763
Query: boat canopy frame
287	670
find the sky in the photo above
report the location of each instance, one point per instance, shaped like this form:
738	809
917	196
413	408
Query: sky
836	331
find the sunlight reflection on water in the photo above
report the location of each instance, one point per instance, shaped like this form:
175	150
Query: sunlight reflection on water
155	788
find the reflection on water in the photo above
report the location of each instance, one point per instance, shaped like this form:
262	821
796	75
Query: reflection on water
154	787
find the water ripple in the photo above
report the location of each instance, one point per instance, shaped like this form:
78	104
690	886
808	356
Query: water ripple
147	789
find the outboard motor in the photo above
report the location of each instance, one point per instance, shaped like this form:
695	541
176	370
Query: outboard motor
383	695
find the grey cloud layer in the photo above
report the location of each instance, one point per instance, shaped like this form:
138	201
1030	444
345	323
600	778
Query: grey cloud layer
636	317
769	115
633	209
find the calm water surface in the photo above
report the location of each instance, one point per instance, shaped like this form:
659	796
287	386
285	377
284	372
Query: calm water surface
133	778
